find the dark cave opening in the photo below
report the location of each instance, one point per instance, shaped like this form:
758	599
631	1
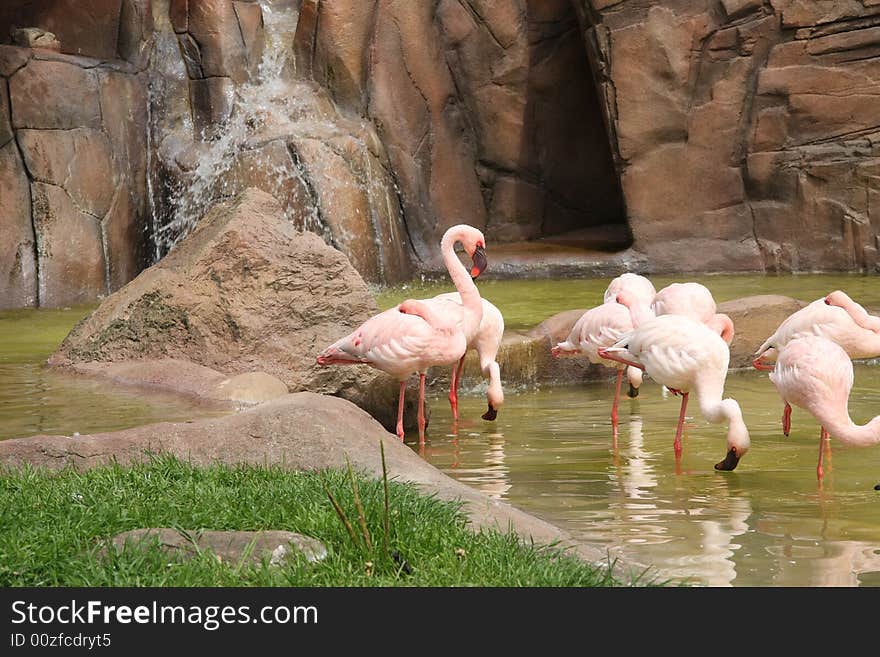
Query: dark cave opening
567	150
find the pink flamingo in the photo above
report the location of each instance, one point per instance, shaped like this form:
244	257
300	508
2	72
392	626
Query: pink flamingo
486	340
414	335
816	374
601	327
638	295
684	355
835	317
695	301
640	289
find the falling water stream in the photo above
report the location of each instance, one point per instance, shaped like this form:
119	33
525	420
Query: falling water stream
768	523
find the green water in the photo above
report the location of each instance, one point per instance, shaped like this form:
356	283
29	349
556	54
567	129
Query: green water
550	452
526	303
35	399
768	523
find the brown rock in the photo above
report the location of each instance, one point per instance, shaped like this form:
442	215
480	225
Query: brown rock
214	26
34	37
178	12
135	31
212	102
123	228
18	272
47	154
235	547
53	94
12	58
755	318
245	291
250	22
92	173
69	248
5	121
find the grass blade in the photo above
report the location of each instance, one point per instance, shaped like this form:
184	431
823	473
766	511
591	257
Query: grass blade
341	514
387	519
362	520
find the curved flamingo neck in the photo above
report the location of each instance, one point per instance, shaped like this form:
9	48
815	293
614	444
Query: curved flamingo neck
461	278
841	427
638	311
859	315
723	325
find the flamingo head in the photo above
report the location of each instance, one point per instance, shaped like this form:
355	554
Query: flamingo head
738	441
836	298
495	394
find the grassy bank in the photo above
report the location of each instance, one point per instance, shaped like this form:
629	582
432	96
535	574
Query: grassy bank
52	526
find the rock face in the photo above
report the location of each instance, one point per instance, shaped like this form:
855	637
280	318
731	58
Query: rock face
704	135
73	166
245	292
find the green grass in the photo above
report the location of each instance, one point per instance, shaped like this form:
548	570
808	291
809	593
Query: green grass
52	526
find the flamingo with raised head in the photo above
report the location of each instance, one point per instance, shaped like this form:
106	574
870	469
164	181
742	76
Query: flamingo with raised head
601	327
486	340
835	317
414	335
686	355
816	374
693	300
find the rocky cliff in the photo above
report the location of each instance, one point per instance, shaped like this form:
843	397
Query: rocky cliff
702	134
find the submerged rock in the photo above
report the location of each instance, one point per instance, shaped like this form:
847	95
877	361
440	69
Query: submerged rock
244	292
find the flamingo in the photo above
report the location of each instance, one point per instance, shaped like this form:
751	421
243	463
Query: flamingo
641	289
695	301
598	328
486	340
816	374
835	317
684	355
638	295
414	335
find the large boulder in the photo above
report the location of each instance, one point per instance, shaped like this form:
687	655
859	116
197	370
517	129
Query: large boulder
246	291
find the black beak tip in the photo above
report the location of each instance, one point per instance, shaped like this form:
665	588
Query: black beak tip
633	392
480	262
877	487
491	414
730	461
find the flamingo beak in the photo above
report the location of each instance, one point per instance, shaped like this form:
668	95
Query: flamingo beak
730	461
758	364
633	392
491	414
480	262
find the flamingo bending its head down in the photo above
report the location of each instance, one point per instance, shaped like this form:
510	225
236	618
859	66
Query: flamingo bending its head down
835	317
415	335
486	340
686	355
596	329
816	374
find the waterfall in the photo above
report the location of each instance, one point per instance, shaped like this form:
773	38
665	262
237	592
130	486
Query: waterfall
269	107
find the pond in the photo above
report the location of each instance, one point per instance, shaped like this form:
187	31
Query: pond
768	523
35	399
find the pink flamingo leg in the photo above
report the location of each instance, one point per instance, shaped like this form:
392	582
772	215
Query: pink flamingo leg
616	401
453	394
421	407
822	436
400	410
786	419
677	444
